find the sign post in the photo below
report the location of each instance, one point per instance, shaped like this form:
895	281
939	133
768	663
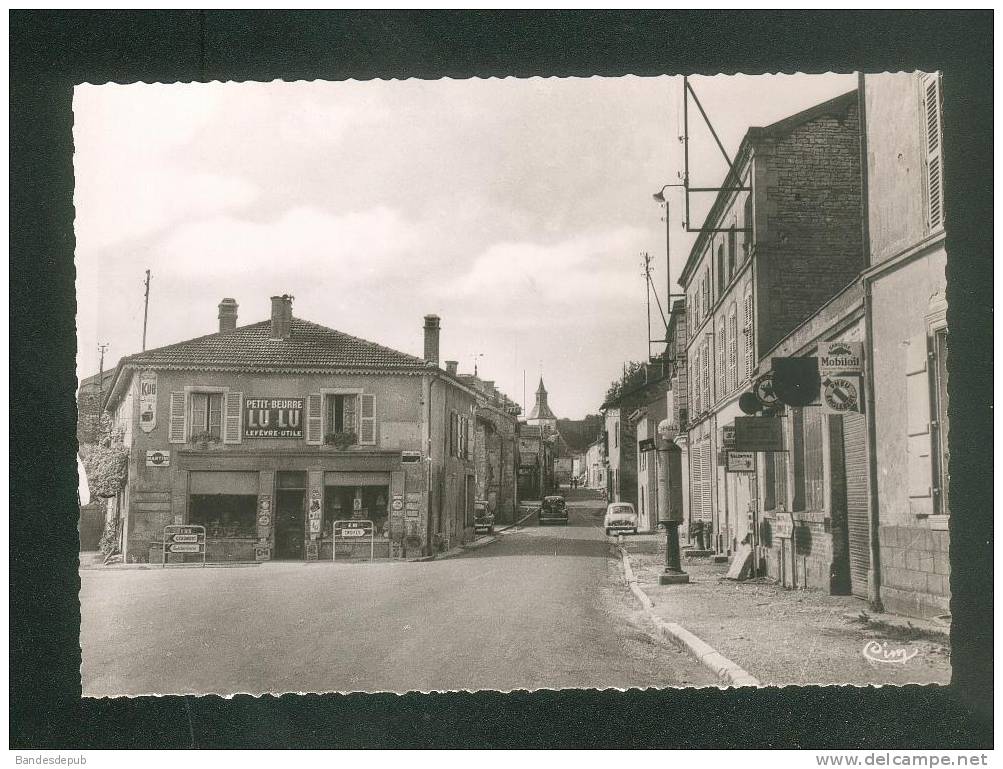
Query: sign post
185	540
353	531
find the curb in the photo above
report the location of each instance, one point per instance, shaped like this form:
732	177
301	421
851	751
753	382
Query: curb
727	671
473	545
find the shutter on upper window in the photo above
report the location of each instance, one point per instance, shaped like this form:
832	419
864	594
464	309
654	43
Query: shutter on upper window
934	154
706	373
367	420
176	429
750	362
733	348
919	462
233	411
314	419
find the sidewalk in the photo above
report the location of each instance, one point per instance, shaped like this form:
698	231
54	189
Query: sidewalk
791	637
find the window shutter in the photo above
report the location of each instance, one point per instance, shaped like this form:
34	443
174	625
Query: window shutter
934	157
919	461
234	410
314	419
452	433
176	429
367	420
733	348
705	356
722	351
750	362
706	467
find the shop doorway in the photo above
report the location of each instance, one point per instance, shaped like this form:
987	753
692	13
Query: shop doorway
290	514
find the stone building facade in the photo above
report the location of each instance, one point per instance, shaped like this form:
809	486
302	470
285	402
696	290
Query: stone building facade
781	239
266	434
496	446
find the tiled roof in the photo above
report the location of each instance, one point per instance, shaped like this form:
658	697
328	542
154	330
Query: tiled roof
308	345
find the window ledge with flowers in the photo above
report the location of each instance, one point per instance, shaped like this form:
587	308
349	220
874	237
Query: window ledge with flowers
341	440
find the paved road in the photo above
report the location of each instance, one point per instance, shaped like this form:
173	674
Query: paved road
543	607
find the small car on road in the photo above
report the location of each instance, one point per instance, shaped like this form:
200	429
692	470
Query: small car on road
620	518
553	510
484	519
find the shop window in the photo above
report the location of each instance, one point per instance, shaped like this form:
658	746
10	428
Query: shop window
775	465
224	515
806	453
206	415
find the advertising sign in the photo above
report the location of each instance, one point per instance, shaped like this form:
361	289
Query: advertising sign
158	458
840	358
841	394
397	504
741	462
783	526
759	434
273	417
728	436
147	401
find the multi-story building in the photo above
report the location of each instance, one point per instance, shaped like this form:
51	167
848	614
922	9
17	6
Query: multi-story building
595	464
496	446
622	415
781	238
868	488
904	292
266	434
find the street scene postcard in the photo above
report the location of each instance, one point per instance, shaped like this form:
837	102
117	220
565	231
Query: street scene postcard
512	384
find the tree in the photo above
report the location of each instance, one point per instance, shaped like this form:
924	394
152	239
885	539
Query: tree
633	375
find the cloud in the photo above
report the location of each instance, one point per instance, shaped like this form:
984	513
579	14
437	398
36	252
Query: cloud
585	268
342	249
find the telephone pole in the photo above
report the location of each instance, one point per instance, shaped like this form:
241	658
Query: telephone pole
101	348
146	307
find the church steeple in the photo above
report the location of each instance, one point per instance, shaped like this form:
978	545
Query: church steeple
541	412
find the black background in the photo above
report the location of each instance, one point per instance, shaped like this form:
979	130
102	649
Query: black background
52	51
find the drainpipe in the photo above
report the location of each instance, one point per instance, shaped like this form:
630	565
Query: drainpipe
428	480
874	572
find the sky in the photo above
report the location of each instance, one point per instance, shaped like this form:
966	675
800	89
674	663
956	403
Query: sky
515	209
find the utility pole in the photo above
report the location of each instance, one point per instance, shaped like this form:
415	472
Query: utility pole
146	307
101	348
647	295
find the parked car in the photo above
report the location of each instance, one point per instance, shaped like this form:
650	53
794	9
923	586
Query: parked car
620	518
484	519
553	510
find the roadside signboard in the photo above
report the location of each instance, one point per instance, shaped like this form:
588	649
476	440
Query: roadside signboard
184	540
741	462
759	434
841	394
353	531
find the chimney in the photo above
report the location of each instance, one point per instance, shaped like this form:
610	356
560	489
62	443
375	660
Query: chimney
282	313
432	339
227	315
450	366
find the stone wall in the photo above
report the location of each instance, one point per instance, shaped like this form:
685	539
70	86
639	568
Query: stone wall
915	571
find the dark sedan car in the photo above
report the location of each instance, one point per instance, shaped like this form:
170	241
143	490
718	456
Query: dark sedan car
553	510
